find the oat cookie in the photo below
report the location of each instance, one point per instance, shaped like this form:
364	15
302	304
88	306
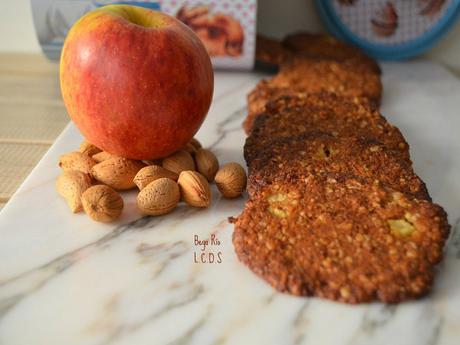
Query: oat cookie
343	238
325	46
259	97
342	78
265	92
318	153
327	113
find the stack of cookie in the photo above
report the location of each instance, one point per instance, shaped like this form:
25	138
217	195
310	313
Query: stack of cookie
335	209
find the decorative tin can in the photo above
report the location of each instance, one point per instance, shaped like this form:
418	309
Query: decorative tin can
389	30
227	28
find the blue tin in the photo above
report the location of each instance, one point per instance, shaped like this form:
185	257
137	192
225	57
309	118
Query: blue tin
367	34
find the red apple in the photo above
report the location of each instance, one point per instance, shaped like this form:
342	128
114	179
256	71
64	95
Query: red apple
136	82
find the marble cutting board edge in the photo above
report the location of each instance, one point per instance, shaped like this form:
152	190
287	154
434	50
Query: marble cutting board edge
67	280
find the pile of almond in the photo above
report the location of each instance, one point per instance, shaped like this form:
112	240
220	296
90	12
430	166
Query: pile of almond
92	178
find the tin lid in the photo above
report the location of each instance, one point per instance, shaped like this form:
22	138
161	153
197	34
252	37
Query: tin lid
389	30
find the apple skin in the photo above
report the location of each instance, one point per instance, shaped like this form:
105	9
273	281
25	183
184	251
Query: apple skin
136	82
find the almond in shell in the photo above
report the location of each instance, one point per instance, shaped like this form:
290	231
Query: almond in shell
194	189
89	149
117	173
151	173
102	204
159	197
195	143
206	163
76	161
178	162
231	180
189	148
103	156
70	185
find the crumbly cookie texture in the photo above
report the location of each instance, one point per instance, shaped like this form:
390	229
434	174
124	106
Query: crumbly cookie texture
271	51
258	98
335	209
324	112
318	153
343	238
265	92
342	78
325	46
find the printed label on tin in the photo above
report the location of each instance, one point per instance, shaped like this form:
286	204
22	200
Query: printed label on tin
226	28
390	22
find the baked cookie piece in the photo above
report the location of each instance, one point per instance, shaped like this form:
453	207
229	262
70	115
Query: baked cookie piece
259	97
318	153
270	51
342	78
325	46
324	112
265	92
343	238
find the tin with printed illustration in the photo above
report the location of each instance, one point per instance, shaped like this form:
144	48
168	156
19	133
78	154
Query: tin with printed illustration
389	30
226	28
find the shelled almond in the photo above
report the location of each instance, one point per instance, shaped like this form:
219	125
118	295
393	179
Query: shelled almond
91	179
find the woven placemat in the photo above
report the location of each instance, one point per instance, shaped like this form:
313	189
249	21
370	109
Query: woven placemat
31	123
16	162
31	116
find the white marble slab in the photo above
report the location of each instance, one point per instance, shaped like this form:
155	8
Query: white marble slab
67	280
